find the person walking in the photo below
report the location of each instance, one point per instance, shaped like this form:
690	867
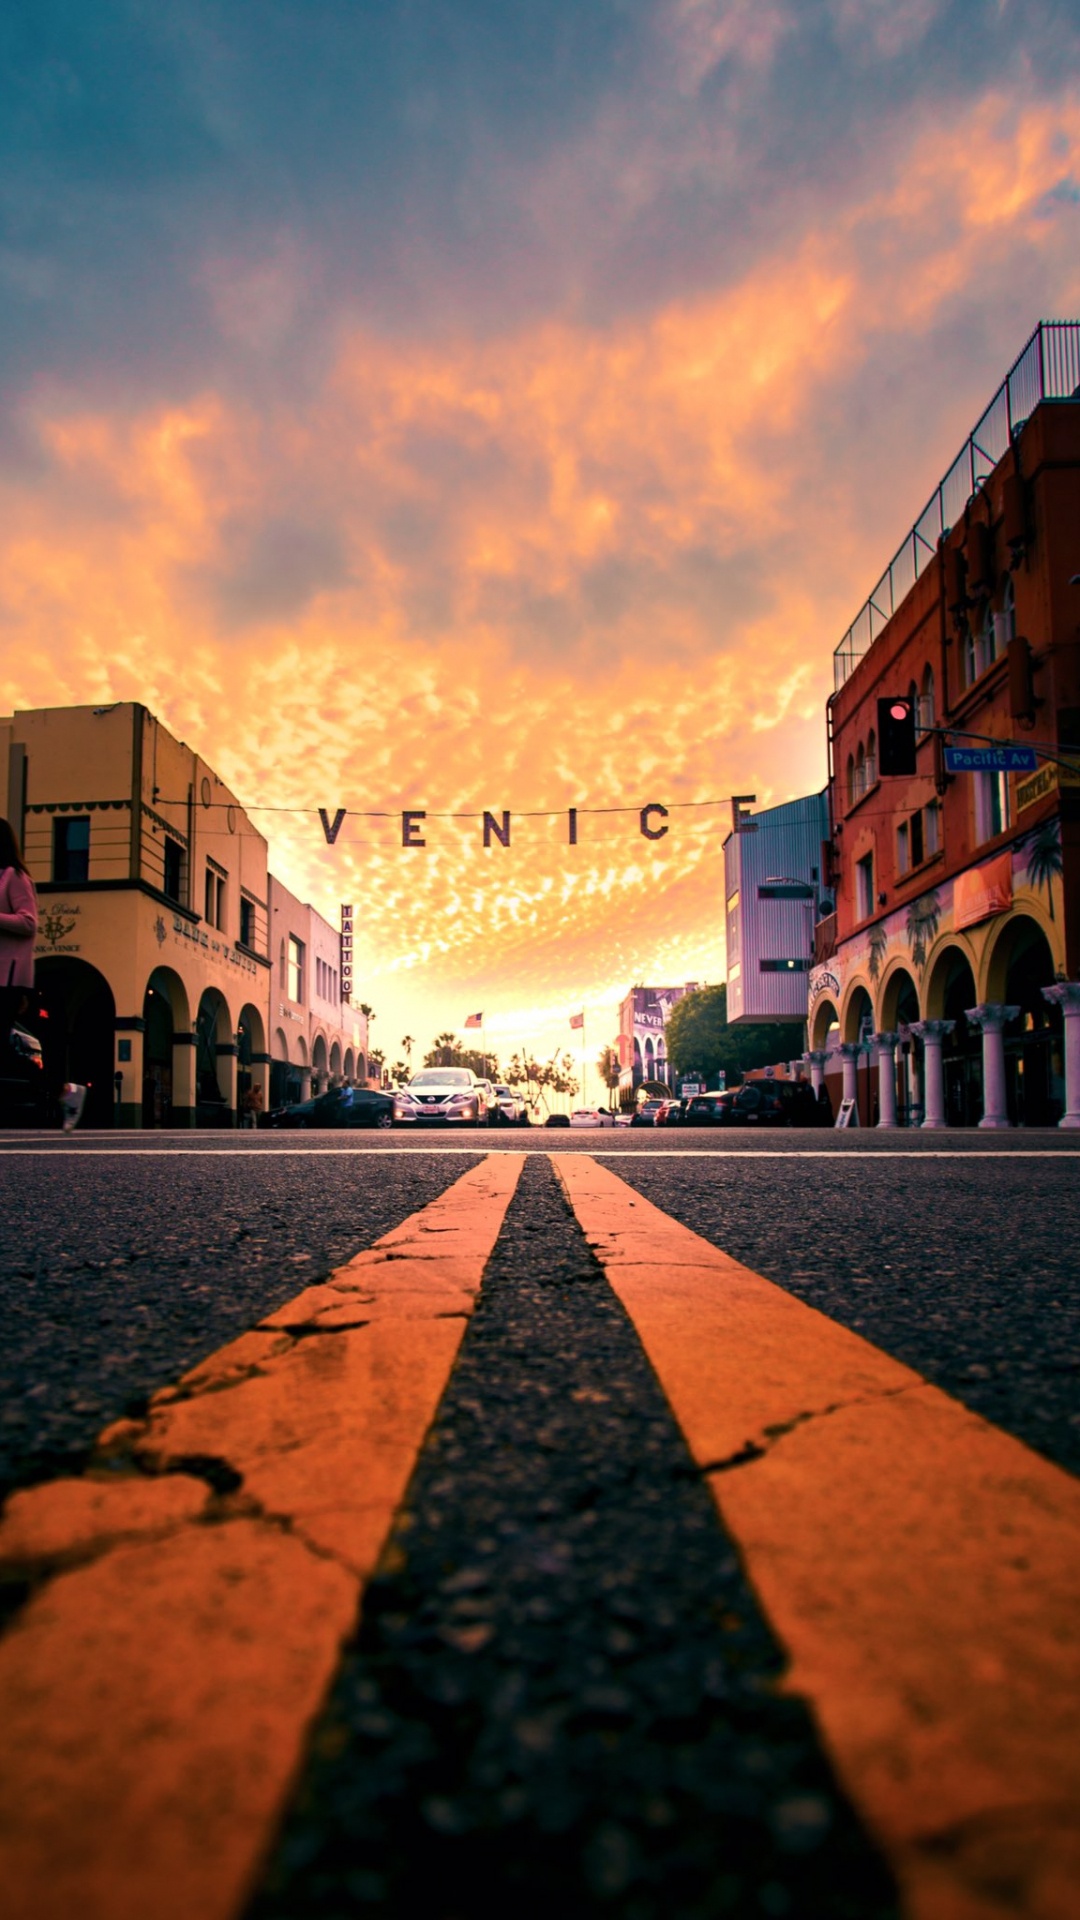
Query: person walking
18	931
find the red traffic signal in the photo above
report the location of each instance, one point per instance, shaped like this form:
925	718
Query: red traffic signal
896	734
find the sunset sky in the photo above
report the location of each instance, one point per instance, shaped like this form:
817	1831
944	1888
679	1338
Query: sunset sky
461	405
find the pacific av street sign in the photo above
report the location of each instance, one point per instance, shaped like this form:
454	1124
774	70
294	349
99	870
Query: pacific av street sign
991	759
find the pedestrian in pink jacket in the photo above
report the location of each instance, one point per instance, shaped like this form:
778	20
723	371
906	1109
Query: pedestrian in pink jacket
18	927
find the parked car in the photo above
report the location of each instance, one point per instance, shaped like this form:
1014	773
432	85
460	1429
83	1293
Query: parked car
295	1113
450	1096
354	1107
757	1103
24	1101
513	1110
645	1115
668	1113
557	1120
592	1117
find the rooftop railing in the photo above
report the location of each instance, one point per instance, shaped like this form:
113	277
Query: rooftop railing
1047	369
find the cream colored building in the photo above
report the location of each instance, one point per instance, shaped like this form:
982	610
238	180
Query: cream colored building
316	1039
153	962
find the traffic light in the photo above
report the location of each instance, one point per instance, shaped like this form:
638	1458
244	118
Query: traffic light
896	734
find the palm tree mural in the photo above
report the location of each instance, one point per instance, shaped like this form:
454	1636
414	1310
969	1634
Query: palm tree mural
879	940
1044	861
923	920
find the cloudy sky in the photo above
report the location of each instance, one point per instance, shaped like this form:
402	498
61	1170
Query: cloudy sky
455	405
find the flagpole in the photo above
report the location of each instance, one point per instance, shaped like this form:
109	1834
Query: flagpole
584	1095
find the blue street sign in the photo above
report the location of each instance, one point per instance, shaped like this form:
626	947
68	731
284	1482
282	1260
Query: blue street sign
991	759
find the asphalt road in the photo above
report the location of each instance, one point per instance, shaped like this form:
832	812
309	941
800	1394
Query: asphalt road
562	1691
123	1262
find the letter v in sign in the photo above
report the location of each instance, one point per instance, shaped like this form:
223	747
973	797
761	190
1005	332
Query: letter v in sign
331	832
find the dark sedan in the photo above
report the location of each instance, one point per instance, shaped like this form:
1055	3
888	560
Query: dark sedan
757	1103
339	1107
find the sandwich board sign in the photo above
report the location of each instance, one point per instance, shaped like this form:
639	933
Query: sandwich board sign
848	1115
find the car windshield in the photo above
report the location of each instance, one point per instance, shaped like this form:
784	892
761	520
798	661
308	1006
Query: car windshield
443	1077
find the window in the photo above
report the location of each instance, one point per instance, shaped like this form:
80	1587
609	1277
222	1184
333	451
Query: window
932	827
174	860
296	968
864	886
991	804
917	855
903	847
734	970
860	772
924	712
783	966
247	923
1005	619
871	759
851	780
214	914
71	850
283	978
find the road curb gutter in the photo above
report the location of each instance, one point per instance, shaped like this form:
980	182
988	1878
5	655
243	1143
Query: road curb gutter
198	1584
919	1565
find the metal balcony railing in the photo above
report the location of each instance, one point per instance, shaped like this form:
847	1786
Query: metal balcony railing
1047	369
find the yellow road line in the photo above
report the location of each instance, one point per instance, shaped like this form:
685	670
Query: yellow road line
920	1567
156	1691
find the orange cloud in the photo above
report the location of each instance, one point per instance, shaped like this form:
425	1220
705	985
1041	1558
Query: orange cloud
569	565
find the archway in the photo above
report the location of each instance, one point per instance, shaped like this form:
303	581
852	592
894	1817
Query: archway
77	1024
361	1069
166	1013
899	1009
215	1062
824	1026
348	1066
1020	964
857	1024
320	1064
950	990
335	1063
251	1055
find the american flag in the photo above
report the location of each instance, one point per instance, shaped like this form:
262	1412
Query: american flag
475	1020
577	1019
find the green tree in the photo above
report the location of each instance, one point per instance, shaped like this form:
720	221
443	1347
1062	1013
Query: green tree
446	1052
607	1066
699	1037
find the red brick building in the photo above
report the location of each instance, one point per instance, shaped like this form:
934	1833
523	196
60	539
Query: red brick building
958	895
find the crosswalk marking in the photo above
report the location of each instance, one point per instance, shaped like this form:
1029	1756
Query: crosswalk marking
156	1690
920	1566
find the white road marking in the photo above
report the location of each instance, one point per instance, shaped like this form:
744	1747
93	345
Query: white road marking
598	1153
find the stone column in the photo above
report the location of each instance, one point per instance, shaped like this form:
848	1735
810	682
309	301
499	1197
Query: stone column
932	1033
816	1063
1066	995
993	1019
886	1062
849	1060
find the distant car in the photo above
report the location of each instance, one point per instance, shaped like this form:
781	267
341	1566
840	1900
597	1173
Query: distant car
592	1117
513	1110
668	1113
557	1120
448	1096
645	1116
757	1103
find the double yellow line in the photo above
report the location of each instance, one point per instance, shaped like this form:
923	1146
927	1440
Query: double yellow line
921	1568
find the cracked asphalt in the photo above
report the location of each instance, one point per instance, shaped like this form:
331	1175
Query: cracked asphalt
966	1269
563	1696
117	1275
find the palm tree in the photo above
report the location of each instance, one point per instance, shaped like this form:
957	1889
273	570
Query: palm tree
408	1043
923	920
1044	858
443	1051
607	1066
879	940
